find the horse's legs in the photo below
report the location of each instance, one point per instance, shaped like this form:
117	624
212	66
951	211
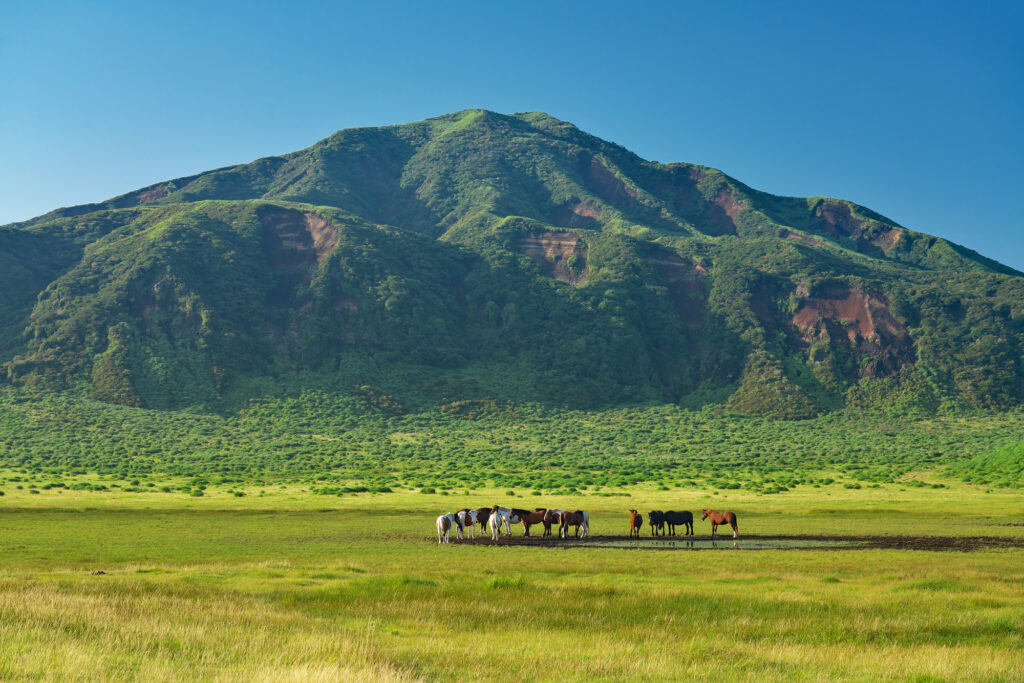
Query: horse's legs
735	530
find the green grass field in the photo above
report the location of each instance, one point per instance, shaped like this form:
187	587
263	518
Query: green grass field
289	585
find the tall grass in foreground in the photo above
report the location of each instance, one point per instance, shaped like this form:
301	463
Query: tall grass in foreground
278	589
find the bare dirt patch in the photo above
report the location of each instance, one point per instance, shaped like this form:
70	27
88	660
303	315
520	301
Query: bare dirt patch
725	210
295	238
578	214
759	542
838	220
608	186
561	255
858	318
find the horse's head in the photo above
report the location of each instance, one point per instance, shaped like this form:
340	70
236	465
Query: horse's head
705	515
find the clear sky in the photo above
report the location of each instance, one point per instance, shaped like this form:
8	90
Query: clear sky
913	109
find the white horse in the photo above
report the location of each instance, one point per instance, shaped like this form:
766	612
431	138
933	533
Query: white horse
502	516
467	521
444	527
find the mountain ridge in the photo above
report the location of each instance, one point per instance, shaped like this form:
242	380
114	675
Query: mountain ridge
501	242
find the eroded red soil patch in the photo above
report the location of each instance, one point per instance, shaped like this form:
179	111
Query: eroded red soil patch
295	238
152	194
861	319
608	186
577	213
724	211
561	255
837	220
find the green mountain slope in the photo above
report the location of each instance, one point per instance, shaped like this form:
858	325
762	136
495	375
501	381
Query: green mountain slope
485	256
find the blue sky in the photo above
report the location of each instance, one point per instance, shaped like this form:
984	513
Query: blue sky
912	109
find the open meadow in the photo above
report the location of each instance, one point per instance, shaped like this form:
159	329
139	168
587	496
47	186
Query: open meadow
284	584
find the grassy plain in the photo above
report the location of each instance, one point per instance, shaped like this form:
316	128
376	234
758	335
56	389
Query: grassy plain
293	585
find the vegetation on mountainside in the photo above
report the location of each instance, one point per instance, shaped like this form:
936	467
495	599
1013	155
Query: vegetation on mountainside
550	265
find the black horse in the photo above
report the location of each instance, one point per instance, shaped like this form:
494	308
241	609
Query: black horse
672	517
656	518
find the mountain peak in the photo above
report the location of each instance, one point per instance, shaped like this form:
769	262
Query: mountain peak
503	256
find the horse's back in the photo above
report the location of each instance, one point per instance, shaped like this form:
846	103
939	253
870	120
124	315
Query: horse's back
679	517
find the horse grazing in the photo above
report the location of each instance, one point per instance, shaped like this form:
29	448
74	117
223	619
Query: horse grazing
721	518
504	516
551	516
656	520
636	520
468	518
684	517
578	519
444	527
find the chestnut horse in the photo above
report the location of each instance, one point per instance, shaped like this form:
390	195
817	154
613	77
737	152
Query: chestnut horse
636	520
530	518
721	518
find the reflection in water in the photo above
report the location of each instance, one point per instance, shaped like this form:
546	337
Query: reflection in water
723	544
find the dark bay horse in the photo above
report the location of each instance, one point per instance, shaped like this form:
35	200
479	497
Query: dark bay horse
576	518
482	515
656	520
684	517
721	518
636	520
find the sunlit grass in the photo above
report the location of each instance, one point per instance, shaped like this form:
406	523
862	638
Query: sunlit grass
282	587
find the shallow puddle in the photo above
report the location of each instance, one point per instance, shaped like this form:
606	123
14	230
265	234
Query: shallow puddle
723	544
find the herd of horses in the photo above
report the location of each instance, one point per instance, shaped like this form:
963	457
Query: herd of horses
658	520
496	518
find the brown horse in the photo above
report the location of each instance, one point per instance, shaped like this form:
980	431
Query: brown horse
530	518
577	518
721	518
636	520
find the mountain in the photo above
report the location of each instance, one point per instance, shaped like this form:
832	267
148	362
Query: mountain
486	257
